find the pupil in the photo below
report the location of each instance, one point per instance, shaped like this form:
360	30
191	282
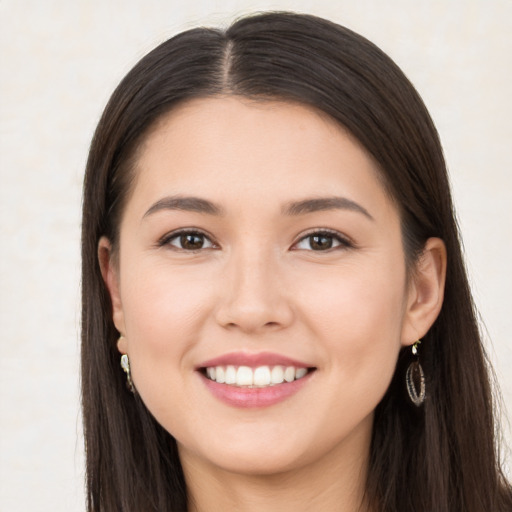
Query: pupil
191	241
321	242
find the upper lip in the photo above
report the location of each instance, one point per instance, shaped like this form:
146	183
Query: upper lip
253	360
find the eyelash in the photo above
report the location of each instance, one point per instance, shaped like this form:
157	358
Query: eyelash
166	239
343	242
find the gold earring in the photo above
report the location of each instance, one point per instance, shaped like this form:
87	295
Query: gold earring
125	365
415	377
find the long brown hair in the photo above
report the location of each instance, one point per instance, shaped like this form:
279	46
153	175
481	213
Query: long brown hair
440	457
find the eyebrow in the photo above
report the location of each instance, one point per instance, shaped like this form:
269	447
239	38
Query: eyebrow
323	204
185	203
311	205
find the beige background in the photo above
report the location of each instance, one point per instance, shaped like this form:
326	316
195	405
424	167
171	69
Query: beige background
59	61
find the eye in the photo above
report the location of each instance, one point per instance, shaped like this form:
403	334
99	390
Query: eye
321	241
188	241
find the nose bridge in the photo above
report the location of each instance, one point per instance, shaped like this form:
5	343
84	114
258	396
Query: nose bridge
254	297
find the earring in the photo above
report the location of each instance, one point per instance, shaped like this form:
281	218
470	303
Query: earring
414	376
125	365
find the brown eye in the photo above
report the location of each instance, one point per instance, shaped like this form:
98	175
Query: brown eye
192	241
189	241
322	241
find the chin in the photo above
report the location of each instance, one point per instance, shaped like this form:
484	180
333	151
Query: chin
256	462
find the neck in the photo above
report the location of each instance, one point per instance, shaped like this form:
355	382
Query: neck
334	483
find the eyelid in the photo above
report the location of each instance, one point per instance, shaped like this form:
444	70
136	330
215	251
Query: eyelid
165	239
345	241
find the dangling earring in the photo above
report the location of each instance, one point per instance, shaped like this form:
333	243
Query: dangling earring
414	376
125	365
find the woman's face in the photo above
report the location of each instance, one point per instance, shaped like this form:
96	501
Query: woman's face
259	246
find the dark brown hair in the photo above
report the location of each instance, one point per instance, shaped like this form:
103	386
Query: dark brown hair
440	457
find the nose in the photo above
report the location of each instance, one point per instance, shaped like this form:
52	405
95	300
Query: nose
253	297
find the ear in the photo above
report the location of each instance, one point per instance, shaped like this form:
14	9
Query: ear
426	291
110	273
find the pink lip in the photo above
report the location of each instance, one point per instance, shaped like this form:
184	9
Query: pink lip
254	397
253	360
245	397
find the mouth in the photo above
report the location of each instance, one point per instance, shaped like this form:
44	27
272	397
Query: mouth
254	380
259	377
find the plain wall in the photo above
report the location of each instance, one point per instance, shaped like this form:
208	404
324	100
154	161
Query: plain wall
59	62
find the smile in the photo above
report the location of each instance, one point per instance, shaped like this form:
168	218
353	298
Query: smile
245	380
262	376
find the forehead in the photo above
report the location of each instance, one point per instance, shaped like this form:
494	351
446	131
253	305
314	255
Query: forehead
237	149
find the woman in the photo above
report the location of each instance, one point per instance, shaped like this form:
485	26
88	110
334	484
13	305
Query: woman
270	255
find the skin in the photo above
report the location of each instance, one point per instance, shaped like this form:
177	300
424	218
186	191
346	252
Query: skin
261	286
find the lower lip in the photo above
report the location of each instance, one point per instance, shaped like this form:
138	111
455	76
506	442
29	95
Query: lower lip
255	397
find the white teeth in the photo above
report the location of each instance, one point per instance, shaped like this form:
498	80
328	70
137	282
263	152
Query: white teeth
258	377
289	374
277	375
262	376
300	372
244	376
220	374
230	375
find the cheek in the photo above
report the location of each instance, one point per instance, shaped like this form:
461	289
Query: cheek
356	298
160	302
357	322
165	311
357	314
